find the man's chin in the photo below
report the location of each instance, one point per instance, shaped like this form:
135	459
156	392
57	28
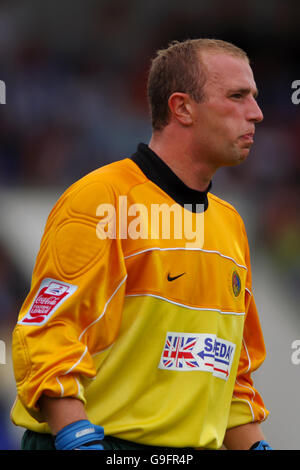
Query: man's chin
239	157
244	155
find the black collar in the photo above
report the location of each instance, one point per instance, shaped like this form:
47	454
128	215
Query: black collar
161	174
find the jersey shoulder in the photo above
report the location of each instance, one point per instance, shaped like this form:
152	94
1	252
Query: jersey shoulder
228	213
120	175
223	205
72	225
101	186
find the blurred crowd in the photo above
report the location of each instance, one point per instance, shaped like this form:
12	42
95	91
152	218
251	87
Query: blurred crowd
75	75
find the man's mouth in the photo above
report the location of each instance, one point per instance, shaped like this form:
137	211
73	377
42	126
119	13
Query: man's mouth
248	137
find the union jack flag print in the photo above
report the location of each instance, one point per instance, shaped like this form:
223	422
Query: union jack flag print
178	352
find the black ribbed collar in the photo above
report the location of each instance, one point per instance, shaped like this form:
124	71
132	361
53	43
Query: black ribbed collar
161	174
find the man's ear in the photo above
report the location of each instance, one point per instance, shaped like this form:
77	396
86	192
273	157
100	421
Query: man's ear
180	108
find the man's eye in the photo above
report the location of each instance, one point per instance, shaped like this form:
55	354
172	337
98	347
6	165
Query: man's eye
237	95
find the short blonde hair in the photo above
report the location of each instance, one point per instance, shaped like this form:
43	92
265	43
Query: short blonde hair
179	68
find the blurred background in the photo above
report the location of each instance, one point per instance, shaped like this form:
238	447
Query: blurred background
75	74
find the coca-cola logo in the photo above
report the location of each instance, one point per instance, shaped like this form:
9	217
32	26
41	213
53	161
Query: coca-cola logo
47	300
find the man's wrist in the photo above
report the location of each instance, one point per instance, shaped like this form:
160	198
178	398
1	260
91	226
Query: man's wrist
261	445
80	435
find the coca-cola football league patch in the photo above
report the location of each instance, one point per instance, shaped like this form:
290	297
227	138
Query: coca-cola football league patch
51	295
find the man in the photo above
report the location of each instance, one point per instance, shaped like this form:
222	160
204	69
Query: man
134	336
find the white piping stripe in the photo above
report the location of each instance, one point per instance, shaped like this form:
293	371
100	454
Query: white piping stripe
76	363
62	391
103	350
249	291
248	356
189	249
76	380
251	409
186	306
248	403
104	310
78	385
249	388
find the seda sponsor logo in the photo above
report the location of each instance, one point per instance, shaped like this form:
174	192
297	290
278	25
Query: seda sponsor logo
50	296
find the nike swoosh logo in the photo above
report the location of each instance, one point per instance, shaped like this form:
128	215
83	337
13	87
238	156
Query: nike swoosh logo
172	278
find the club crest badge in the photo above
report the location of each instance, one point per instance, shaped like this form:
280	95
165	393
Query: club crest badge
236	283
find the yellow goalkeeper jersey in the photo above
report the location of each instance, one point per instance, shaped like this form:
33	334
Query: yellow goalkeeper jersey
141	306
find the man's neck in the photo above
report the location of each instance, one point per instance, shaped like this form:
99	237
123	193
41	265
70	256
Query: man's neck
195	173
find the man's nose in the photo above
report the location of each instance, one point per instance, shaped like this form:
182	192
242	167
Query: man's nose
255	113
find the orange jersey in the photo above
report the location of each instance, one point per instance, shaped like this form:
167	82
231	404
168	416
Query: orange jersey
154	334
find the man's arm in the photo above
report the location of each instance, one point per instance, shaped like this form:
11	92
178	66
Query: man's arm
59	412
243	437
69	424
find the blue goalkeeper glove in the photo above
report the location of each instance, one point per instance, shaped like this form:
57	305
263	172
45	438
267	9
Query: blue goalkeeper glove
261	445
80	435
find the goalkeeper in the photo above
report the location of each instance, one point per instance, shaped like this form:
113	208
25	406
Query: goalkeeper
149	342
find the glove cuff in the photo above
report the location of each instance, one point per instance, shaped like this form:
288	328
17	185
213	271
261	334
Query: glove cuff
77	434
261	445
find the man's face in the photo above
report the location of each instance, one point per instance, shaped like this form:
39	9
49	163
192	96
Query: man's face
225	120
